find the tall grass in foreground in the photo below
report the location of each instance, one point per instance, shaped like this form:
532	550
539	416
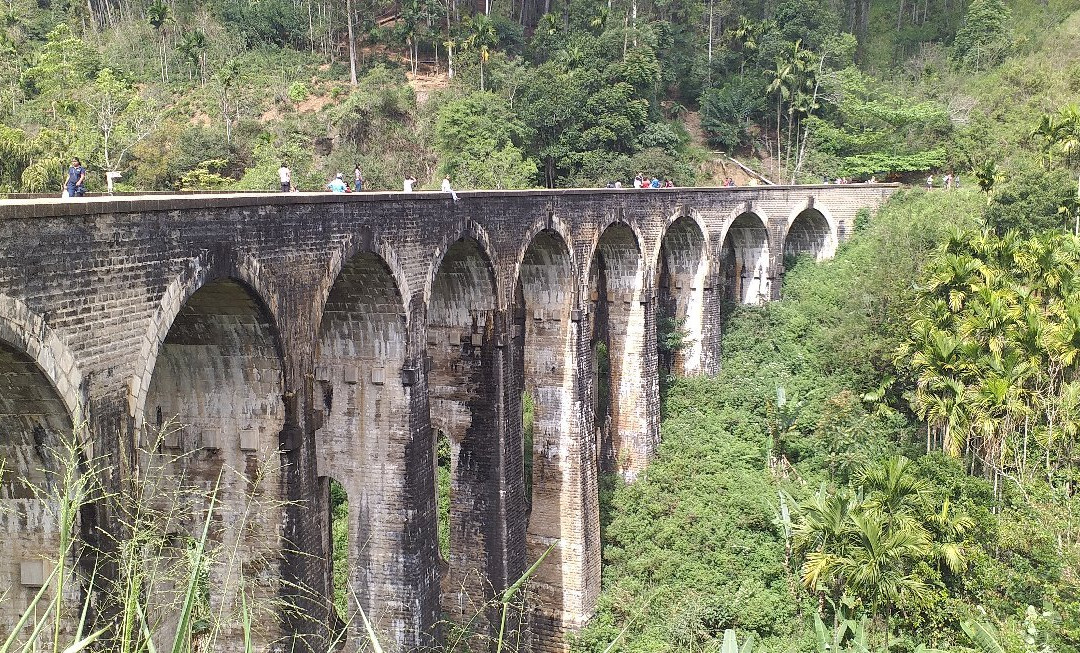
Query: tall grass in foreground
161	546
167	576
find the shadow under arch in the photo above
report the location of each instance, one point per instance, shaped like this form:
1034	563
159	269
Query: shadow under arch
810	231
467	231
365	440
621	330
463	372
242	269
365	241
213	414
682	269
745	259
38	449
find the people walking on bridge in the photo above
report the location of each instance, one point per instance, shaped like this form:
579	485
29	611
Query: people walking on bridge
358	179
76	179
639	180
336	184
285	176
408	183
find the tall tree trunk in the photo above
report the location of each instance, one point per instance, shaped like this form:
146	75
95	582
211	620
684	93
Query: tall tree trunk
164	59
90	14
862	12
779	108
352	42
710	38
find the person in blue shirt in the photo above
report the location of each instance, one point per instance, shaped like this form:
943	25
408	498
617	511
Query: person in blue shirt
655	183
76	179
336	185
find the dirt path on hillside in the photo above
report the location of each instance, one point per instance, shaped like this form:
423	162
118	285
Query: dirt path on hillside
718	167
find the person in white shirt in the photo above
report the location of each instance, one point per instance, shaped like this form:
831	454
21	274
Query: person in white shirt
285	175
408	184
446	188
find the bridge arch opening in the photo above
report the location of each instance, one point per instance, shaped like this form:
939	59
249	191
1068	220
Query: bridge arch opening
34	425
545	330
744	261
811	235
622	331
214	414
682	271
463	399
362	415
337	532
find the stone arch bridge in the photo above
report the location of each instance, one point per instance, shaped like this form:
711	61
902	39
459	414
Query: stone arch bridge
300	338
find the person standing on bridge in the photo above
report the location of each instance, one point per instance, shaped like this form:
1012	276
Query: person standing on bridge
285	176
76	180
407	185
358	179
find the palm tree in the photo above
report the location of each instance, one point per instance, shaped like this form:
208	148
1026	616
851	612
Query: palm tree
878	564
986	175
192	47
950	528
1047	132
481	38
819	539
783	76
158	15
894	490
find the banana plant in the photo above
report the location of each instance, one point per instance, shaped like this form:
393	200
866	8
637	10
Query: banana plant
731	643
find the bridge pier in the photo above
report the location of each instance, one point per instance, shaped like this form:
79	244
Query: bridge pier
465	371
561	470
623	331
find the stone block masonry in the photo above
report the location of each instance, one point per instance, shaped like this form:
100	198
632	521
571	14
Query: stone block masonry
276	342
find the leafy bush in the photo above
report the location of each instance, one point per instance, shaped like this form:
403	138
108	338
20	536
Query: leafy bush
298	92
725	113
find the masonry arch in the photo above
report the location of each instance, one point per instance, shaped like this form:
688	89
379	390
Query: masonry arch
365	241
363	432
27	331
466	231
36	446
682	269
622	337
810	231
199	271
213	415
463	398
745	259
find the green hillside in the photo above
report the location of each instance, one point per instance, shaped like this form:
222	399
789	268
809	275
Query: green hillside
184	95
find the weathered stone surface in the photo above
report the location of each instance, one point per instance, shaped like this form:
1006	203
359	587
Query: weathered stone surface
298	338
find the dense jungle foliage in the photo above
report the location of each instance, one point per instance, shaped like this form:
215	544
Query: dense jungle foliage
881	464
176	94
